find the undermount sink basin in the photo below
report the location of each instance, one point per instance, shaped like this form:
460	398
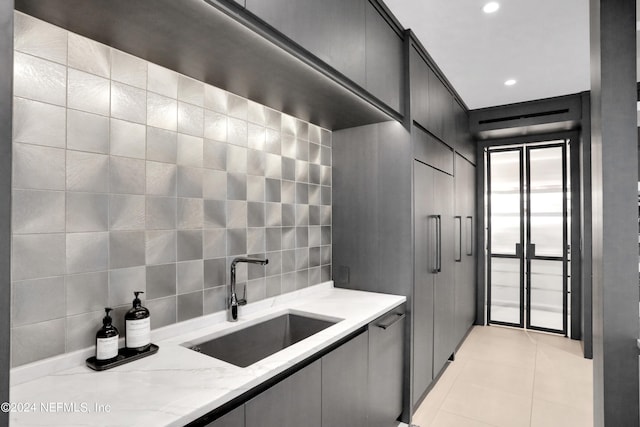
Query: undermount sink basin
253	343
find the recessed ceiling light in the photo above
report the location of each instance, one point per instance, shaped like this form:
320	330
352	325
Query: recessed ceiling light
491	7
510	82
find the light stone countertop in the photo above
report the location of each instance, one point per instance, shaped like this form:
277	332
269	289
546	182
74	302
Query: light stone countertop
178	385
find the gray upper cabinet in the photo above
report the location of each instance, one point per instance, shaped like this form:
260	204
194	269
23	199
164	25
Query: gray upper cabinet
464	141
332	30
293	402
419	88
344	384
384	56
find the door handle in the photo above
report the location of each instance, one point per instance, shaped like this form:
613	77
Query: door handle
531	250
469	235
458	251
436	243
518	249
394	319
439	222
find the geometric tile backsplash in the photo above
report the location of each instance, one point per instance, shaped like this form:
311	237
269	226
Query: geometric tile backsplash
128	176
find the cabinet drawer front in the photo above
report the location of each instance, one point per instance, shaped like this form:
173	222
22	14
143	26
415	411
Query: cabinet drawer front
431	151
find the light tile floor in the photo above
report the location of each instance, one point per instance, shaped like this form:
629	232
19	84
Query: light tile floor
511	377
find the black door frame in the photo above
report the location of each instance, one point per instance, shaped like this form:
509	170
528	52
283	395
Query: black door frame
521	253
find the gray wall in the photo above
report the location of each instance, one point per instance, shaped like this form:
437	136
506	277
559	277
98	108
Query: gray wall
614	180
129	176
6	88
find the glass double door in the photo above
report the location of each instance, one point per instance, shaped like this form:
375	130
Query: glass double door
527	235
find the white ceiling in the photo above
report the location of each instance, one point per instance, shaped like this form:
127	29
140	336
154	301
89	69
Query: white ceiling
543	44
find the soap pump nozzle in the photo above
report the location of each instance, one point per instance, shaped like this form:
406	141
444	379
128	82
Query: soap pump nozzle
136	301
107	320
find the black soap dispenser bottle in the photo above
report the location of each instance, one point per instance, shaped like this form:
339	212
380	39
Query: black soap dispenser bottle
107	340
138	326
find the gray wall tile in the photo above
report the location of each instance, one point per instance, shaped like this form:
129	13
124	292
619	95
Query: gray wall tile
215	214
237	132
190	306
215	272
162	311
272	119
255	214
216	126
237	106
161	179
160	247
190	213
162	145
288	192
39	38
236	186
272	142
256	289
38	211
315	134
190	149
190	276
38	167
38	341
87	172
162	112
162	80
256	137
190	90
88	92
38	255
236	214
273	239
123	282
189	182
215	243
255	240
255	162
255	188
274	268
128	103
87	252
273	286
189	245
215	155
126	176
126	212
272	166
126	249
325	138
87	132
273	214
215	99
161	281
190	119
161	213
87	212
86	292
127	139
302	279
288	145
128	69
37	300
236	241
88	55
82	328
288	124
39	80
214	299
39	123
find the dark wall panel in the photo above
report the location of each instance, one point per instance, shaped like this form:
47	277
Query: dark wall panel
6	103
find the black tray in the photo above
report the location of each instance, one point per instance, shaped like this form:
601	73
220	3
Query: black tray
124	356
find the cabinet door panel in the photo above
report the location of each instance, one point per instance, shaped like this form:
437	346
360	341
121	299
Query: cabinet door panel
293	402
419	88
384	60
332	30
436	117
234	418
385	370
444	290
424	264
464	270
344	384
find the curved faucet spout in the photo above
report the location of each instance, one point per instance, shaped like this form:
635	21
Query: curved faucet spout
232	301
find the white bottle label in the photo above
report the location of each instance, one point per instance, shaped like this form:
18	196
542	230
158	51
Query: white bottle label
138	332
107	348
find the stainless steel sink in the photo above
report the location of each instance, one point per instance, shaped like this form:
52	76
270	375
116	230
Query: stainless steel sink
249	345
